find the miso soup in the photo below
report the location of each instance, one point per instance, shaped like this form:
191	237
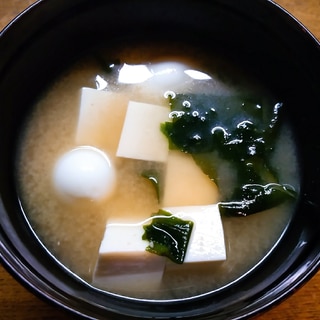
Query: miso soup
72	227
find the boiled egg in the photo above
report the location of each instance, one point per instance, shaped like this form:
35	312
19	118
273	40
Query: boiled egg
84	172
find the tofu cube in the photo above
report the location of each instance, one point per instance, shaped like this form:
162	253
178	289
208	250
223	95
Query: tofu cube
141	137
124	265
207	241
101	117
185	184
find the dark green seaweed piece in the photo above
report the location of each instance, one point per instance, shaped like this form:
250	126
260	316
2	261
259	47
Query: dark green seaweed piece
234	129
254	198
168	236
154	177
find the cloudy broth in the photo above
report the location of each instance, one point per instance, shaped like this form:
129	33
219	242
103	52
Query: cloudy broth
72	231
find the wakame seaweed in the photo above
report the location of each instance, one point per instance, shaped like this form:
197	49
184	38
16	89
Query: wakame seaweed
239	130
154	177
168	236
252	198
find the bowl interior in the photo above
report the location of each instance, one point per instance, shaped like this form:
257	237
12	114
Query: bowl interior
257	35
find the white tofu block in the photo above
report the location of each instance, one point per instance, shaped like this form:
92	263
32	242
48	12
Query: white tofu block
185	184
101	117
207	241
124	265
121	237
141	137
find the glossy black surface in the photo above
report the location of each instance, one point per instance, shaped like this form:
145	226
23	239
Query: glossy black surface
253	33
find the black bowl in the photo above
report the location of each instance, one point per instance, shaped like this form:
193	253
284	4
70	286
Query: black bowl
256	34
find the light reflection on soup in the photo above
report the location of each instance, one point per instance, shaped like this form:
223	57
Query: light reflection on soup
73	231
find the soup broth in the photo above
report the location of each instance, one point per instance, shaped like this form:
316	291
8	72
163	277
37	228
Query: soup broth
73	230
